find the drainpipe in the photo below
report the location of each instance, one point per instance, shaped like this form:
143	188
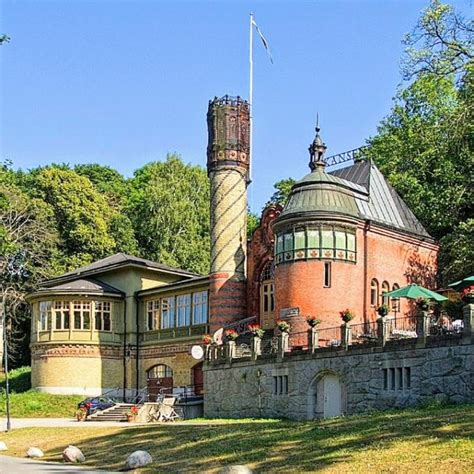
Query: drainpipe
366	228
137	364
124	393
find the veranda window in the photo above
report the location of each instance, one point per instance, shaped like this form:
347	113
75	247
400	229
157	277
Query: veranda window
61	314
44	315
102	316
167	313
200	307
153	314
82	315
183	310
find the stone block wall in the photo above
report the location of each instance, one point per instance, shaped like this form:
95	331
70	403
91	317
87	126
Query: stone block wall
401	374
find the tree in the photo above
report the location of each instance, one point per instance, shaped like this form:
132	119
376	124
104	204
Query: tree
425	145
28	254
4	39
283	189
441	43
81	213
169	209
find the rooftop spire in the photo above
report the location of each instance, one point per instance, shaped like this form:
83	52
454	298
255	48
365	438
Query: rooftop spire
316	150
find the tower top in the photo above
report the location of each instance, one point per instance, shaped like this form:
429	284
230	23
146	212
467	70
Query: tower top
228	122
317	150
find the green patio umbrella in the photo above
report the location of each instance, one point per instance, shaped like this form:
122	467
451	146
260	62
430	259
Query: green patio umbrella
414	291
461	284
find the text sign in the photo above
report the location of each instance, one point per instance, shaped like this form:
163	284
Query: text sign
289	312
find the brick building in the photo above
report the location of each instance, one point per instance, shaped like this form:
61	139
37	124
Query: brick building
343	239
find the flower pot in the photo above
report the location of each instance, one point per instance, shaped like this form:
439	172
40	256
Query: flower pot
130	418
80	418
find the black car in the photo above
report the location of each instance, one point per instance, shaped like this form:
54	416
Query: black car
93	404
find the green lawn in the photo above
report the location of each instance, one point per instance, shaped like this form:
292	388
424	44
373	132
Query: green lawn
27	403
422	440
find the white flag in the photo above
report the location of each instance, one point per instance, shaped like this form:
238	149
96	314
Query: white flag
264	41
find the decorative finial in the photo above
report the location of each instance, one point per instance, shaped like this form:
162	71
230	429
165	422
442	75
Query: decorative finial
317	150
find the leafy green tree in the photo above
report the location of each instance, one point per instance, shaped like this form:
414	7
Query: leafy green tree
441	44
283	188
253	221
425	145
81	213
113	186
169	209
4	39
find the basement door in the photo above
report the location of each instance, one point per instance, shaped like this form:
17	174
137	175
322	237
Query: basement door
332	396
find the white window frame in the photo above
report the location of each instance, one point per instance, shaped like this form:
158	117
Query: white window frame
200	307
81	308
183	310
167	312
61	309
103	313
44	316
153	308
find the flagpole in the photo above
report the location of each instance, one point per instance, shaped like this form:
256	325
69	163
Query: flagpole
251	95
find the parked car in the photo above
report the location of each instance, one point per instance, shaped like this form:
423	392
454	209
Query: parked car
93	404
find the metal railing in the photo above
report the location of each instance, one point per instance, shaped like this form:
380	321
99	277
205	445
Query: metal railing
241	326
401	328
364	333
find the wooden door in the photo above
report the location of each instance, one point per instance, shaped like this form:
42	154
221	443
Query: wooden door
198	379
159	381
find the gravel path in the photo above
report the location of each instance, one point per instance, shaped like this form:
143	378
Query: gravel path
62	423
22	465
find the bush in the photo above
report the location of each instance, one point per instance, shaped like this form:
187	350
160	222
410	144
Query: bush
19	380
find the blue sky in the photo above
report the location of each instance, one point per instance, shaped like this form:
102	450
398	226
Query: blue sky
123	83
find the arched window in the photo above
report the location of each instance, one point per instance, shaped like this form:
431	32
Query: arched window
374	292
160	371
385	289
267	294
396	301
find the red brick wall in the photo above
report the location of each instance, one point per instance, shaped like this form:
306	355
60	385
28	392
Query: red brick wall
390	256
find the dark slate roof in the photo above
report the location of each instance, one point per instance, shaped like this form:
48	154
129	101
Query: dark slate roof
383	205
83	285
120	260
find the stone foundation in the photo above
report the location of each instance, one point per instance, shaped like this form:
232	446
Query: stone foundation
400	374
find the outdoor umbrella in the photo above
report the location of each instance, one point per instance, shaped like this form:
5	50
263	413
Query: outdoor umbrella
414	291
461	284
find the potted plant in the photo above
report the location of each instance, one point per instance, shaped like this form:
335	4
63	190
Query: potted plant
81	414
231	334
467	294
256	330
383	310
207	339
423	304
132	414
347	315
283	326
312	321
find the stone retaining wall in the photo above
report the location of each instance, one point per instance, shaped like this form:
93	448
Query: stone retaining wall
403	373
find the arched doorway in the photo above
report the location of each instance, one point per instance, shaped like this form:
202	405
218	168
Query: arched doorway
159	380
198	379
325	396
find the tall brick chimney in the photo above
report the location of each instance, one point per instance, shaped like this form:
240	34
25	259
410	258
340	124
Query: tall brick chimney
228	150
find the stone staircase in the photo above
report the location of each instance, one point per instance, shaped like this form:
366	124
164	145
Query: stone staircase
115	413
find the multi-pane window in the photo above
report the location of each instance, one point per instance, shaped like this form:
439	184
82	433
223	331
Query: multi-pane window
200	307
82	314
61	314
44	315
153	314
396	301
268	297
160	371
167	313
385	289
102	315
325	242
374	292
183	310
